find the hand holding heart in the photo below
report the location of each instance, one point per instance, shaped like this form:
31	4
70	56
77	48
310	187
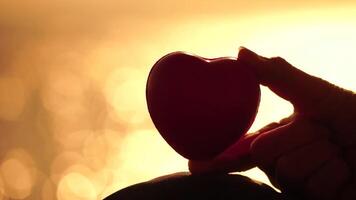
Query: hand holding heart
311	153
201	106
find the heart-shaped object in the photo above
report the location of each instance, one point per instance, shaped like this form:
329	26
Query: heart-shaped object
201	106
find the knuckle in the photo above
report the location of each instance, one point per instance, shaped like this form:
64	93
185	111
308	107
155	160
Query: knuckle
310	128
337	107
332	149
320	131
287	120
258	152
277	59
269	127
284	167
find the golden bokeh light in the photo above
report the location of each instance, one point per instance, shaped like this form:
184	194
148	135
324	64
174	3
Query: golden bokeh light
73	115
152	153
64	93
76	186
95	151
125	92
70	139
62	162
18	174
153	157
100	179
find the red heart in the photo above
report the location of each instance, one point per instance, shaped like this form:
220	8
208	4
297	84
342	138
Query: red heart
201	106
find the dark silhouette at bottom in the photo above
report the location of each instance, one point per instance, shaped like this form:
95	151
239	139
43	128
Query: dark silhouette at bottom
183	185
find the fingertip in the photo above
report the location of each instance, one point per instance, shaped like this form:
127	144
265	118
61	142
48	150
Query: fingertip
304	91
199	167
242	48
246	54
236	158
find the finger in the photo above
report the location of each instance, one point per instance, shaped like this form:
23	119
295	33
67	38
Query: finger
293	168
301	89
236	158
275	125
268	146
328	181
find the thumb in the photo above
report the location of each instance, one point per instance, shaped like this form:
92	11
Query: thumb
304	91
235	158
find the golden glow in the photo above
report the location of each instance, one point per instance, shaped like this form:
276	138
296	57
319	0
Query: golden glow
2	190
76	186
71	140
95	151
62	162
153	157
12	93
125	92
73	77
18	174
63	93
48	190
17	178
267	112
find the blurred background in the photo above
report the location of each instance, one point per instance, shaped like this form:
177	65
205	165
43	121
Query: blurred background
73	116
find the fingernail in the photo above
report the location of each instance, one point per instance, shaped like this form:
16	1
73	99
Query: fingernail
256	132
199	167
242	47
245	49
246	54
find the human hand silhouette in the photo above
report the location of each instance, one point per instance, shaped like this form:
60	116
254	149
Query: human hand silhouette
311	153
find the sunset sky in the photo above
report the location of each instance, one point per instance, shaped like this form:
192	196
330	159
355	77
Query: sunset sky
73	116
